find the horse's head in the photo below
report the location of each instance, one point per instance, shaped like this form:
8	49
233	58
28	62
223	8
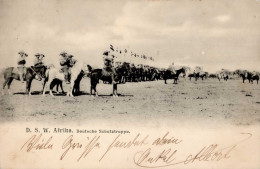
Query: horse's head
87	69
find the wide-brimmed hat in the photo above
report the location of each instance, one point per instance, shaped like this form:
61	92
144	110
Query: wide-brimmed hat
106	53
21	52
37	54
42	55
70	56
63	53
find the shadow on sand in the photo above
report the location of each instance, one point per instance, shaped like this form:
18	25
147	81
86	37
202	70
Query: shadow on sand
64	94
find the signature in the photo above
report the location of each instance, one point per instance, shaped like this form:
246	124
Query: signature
168	157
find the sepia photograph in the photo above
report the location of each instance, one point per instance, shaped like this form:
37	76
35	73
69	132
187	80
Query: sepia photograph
130	84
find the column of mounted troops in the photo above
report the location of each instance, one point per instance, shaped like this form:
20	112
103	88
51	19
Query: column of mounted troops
120	66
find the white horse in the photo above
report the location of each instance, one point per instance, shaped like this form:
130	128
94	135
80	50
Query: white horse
54	73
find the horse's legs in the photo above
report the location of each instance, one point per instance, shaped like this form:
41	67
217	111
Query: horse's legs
61	86
71	88
57	87
5	82
115	90
47	84
43	84
8	85
91	88
28	86
95	89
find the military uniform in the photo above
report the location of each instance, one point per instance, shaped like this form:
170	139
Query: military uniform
109	64
108	61
66	62
172	68
21	62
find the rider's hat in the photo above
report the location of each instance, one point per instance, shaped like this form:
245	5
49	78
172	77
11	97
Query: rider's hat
70	56
42	55
37	54
63	53
21	52
106	53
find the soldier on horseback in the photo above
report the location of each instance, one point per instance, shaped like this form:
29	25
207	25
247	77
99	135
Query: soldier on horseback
38	60
21	62
172	68
109	64
66	62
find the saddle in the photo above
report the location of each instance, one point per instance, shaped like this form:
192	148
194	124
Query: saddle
108	72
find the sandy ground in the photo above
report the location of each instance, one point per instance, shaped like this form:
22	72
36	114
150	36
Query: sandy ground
144	103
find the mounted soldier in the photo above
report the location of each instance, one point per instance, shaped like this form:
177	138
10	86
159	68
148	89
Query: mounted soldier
109	66
172	68
66	62
38	60
21	62
108	61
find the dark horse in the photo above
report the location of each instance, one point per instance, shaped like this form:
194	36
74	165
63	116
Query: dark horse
58	83
244	77
202	76
250	77
32	72
170	75
102	74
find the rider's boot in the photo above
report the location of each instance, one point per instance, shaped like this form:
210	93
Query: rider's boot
21	77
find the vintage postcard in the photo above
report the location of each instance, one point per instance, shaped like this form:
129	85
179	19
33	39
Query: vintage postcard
130	84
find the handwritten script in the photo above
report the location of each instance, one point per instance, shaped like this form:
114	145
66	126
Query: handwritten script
146	151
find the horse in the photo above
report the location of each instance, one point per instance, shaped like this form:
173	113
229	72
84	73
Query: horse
54	73
76	87
57	83
247	75
223	75
195	75
251	77
168	74
202	76
255	77
104	75
33	72
243	76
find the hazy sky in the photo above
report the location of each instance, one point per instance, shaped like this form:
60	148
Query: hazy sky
213	34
